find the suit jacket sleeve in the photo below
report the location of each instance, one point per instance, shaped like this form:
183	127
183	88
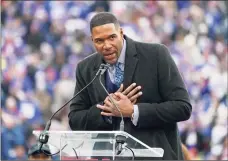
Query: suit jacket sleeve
176	104
83	115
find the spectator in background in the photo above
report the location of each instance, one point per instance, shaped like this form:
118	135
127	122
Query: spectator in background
43	98
63	92
35	38
100	6
187	154
12	132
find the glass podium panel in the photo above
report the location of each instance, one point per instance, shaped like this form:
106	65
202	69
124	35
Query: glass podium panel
99	145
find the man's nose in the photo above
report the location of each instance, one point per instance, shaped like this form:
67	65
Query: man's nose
107	46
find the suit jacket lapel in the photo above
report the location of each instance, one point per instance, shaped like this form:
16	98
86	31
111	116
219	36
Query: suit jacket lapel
98	90
131	61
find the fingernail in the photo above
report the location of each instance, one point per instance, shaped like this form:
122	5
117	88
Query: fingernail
139	87
140	93
134	84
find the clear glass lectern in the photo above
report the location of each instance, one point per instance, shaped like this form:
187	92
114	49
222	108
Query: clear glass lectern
98	145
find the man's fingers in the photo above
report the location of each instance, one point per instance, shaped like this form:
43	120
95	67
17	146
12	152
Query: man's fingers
134	98
115	97
120	95
107	102
126	91
135	90
104	108
107	114
120	89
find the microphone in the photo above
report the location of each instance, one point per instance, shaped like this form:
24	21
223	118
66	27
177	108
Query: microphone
43	137
120	139
103	68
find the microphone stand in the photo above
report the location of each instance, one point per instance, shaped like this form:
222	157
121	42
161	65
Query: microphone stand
43	137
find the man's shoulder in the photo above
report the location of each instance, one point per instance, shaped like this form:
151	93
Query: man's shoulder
155	48
89	60
140	44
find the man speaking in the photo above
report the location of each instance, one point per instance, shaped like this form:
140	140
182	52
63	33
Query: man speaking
152	99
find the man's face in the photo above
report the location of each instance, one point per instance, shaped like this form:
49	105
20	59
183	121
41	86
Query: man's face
108	41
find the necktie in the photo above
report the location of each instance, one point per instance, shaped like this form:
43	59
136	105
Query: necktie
113	87
119	73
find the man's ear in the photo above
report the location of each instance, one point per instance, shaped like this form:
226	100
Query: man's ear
91	37
121	31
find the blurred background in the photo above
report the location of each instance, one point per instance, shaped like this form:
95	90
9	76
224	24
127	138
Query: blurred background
42	42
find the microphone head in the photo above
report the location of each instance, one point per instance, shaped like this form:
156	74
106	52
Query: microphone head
107	65
102	66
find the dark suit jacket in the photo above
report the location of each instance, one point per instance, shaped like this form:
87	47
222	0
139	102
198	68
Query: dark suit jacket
164	102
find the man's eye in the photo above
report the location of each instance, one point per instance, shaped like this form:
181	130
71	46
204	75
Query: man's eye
98	41
112	37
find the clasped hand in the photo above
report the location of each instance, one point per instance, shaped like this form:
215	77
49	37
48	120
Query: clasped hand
124	100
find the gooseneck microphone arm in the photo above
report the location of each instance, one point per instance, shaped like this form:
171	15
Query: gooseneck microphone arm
43	137
111	99
120	139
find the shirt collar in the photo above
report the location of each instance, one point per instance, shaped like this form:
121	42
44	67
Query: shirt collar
121	58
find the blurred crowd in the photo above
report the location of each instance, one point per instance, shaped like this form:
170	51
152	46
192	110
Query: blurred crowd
42	42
